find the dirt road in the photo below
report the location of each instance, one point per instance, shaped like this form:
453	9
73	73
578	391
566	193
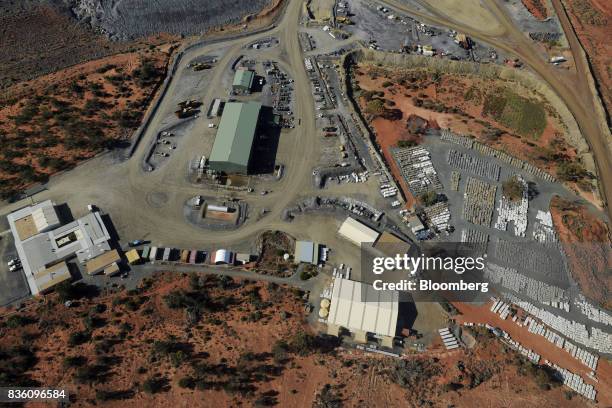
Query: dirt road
572	87
149	205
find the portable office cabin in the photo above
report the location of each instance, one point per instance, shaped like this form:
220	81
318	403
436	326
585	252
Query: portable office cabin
132	256
166	256
153	254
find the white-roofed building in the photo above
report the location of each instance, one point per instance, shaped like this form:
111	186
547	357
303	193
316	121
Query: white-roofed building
361	309
223	256
357	232
307	252
43	245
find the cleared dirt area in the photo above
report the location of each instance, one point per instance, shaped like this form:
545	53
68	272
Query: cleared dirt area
238	343
51	123
586	241
321	9
470	12
494	112
591	21
482	314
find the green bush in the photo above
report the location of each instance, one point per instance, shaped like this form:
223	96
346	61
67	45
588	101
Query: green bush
152	385
74	361
513	189
428	198
15	321
187	382
406	143
77	338
571	171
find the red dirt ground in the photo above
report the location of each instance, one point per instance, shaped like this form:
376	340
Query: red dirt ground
591	20
43	135
586	241
547	351
450	91
537	8
219	337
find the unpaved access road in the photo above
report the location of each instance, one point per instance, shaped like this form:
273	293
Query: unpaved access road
149	205
574	88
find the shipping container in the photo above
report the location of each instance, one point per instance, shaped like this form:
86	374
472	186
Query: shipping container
184	255
153	254
193	256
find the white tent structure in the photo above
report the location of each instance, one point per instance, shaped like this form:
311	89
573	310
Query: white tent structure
357	232
361	309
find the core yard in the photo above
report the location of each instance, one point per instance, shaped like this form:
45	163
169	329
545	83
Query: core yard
401	105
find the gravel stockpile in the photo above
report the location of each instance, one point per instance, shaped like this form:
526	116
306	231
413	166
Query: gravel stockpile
128	19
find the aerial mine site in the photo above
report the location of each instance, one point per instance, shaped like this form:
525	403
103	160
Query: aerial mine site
305	203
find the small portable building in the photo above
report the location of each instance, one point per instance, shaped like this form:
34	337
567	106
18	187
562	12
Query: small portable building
307	252
243	80
193	256
184	255
132	256
153	254
99	263
222	256
112	269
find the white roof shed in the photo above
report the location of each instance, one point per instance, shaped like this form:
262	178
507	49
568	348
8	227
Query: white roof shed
357	232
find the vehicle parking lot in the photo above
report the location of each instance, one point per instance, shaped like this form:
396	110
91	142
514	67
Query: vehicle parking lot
166	144
386	29
13	284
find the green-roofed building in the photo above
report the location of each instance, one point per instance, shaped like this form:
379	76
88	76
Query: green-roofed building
231	152
243	81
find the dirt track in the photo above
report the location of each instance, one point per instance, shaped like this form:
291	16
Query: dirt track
574	88
123	189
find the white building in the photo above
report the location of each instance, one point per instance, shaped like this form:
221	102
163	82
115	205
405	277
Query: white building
223	256
357	232
307	252
43	245
360	309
